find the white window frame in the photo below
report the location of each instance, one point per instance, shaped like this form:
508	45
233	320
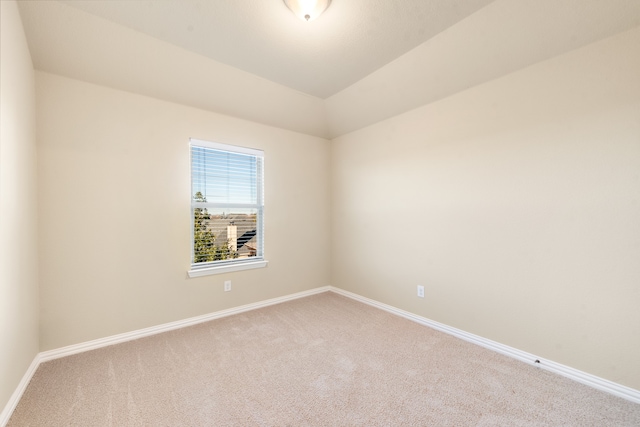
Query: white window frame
226	266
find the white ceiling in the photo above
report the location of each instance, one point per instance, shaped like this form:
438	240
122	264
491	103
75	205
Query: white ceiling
361	62
349	41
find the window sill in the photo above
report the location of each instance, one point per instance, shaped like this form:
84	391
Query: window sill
227	268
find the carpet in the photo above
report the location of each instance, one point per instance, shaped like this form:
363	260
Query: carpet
323	360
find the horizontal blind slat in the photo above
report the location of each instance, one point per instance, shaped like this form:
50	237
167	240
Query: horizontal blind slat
227	187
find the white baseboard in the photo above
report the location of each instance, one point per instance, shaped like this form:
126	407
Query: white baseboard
129	336
566	371
140	333
17	394
574	374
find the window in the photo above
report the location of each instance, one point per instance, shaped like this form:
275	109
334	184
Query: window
226	208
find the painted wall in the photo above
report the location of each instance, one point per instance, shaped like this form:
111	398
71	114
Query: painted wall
515	203
18	221
114	211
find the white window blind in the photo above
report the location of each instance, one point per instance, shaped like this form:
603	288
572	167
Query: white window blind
227	205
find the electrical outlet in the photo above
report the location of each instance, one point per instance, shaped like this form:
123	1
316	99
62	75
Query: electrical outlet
421	291
227	285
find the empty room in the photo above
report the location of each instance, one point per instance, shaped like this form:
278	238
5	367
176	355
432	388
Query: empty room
320	212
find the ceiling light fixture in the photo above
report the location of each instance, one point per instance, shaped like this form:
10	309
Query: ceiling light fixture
307	10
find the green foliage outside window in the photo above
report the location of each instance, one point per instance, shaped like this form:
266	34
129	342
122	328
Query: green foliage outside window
205	248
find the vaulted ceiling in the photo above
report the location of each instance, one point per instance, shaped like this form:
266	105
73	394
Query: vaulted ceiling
351	40
360	62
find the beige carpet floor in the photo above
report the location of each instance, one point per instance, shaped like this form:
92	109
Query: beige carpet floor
324	360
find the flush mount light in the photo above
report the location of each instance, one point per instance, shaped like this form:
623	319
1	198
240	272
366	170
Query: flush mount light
307	10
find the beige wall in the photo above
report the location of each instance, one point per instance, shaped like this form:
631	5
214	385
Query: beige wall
515	203
114	212
18	221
